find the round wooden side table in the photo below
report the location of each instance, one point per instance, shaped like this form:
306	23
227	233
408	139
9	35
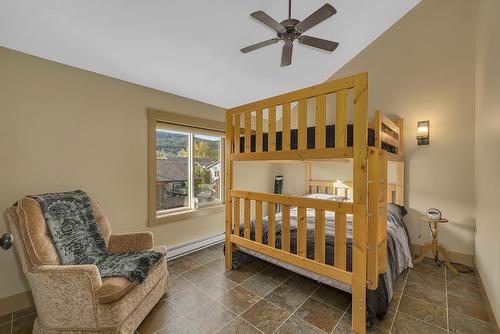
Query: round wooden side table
434	246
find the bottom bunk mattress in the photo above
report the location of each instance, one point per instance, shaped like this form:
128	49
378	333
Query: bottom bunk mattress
398	253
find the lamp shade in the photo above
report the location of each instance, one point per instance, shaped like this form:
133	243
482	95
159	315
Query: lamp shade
423	132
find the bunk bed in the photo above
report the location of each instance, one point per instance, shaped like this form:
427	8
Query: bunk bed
300	238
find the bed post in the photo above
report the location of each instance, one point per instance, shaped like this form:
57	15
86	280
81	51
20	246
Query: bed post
377	221
228	180
377	127
307	176
401	149
400	189
400	183
360	203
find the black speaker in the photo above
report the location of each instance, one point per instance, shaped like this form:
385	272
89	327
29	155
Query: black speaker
278	189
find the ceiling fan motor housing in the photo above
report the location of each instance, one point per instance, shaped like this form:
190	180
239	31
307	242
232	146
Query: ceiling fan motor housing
290	34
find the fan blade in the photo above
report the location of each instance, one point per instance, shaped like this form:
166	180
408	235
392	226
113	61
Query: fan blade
286	56
268	21
319	43
259	45
318	16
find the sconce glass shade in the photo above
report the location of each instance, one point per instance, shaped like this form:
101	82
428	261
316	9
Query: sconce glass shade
423	130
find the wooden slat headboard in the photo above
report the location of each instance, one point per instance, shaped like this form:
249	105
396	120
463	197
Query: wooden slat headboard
395	192
329	187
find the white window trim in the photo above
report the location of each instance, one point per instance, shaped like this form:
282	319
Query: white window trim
193	126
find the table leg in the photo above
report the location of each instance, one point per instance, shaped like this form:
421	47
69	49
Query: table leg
446	259
425	249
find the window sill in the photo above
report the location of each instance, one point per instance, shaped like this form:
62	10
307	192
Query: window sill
188	214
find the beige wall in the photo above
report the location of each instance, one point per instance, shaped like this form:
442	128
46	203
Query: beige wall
487	165
62	128
254	176
423	69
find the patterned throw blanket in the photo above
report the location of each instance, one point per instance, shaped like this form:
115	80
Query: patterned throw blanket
78	240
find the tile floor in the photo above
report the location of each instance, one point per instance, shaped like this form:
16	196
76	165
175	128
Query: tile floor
262	298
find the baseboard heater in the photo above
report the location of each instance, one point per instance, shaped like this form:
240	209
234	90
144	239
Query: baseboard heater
193	246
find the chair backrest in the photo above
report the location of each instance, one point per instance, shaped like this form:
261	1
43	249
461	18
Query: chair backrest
34	239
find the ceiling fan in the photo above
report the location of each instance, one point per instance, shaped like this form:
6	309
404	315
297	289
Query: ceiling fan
291	29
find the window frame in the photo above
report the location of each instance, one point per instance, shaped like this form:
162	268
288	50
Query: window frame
192	126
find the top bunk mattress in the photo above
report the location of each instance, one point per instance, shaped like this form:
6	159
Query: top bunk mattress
294	135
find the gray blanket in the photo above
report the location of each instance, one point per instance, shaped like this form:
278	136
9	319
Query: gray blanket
398	250
78	240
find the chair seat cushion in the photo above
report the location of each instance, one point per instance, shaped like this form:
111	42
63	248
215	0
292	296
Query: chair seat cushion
111	314
113	288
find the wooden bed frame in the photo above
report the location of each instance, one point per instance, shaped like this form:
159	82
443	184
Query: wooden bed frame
370	189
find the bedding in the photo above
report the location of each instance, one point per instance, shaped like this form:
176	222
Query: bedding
398	252
330	197
330	139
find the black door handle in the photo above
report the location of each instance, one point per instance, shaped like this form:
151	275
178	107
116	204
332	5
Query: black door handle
6	241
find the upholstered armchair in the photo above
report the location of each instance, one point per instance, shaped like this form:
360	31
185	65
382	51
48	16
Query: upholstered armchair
74	298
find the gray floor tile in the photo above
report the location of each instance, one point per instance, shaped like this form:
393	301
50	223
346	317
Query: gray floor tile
210	317
162	316
265	316
239	274
216	286
188	300
276	273
238	299
239	326
468	307
302	284
463	324
198	274
432	313
286	298
260	284
319	315
5	328
295	325
405	324
333	297
182	265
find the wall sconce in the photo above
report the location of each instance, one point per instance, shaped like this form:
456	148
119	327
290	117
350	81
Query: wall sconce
423	130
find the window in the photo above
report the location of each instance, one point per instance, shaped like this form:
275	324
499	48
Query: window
172	170
186	168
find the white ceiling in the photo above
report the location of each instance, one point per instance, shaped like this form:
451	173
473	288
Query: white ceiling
191	48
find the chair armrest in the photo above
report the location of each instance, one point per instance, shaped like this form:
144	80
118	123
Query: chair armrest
66	294
119	243
85	276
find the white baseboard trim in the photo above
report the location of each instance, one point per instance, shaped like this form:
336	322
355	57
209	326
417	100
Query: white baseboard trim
485	292
194	245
